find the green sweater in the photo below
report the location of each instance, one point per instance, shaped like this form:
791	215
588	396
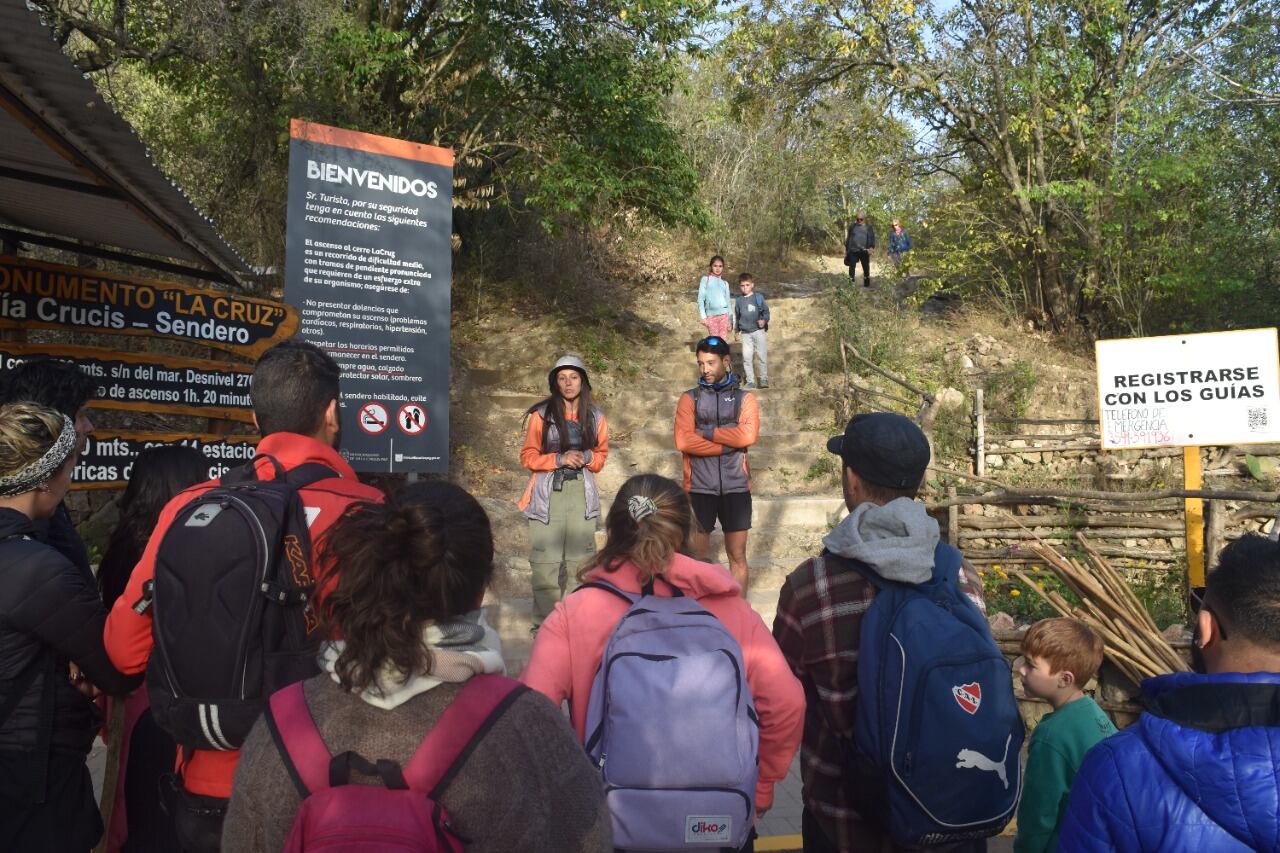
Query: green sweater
1058	745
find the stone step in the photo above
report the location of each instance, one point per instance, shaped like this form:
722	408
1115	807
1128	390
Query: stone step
771	438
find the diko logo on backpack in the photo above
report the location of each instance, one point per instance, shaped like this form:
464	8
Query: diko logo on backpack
968	696
708	829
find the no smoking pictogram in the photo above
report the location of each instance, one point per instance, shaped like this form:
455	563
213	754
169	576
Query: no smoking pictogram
373	418
412	418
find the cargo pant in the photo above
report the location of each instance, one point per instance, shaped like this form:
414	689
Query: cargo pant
560	546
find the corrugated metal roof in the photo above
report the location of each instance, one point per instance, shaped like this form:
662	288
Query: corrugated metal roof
71	167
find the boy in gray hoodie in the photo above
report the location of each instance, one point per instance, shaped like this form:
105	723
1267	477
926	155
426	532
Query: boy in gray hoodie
820	611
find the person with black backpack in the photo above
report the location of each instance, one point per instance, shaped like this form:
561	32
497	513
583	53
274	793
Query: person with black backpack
220	610
411	738
911	732
51	653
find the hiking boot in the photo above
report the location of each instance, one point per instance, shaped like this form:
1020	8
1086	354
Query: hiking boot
748	385
764	384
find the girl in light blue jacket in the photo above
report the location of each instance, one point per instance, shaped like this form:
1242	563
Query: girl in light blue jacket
714	301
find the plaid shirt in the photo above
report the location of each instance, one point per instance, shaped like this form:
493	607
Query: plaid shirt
818	628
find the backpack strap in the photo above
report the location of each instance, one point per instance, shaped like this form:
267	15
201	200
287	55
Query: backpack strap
946	563
607	587
448	744
301	747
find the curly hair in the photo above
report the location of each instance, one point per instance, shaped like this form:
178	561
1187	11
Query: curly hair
425	555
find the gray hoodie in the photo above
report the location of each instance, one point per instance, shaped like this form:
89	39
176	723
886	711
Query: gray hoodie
897	540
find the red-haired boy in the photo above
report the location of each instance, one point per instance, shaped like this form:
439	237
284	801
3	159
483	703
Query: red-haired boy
1059	657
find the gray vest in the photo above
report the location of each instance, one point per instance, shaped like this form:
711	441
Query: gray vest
727	473
540	497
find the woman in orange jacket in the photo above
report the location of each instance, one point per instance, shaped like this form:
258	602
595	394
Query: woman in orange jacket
565	446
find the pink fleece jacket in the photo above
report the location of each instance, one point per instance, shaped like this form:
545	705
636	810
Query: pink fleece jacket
571	643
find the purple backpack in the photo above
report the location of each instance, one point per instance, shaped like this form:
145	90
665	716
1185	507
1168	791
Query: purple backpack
404	812
673	728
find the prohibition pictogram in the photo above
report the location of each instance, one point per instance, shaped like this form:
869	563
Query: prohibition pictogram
412	418
373	418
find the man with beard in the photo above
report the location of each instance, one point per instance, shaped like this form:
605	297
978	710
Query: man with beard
295	405
1200	770
716	422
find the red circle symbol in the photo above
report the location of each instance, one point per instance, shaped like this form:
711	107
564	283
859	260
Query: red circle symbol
412	418
373	418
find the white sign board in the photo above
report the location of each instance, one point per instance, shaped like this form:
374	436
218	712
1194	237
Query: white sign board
1185	390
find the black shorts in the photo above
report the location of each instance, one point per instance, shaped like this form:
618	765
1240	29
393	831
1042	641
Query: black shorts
733	511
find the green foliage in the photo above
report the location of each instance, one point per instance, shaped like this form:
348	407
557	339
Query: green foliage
554	106
1105	166
1010	389
1005	593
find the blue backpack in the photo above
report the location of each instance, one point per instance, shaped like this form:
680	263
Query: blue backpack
672	727
937	735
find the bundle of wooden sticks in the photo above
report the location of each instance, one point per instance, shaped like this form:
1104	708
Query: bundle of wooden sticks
1133	641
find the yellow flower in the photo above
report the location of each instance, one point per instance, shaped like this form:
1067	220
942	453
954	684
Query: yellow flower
981	573
1035	568
1015	592
996	567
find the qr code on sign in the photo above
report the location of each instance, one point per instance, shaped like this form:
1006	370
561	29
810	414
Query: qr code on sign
1257	420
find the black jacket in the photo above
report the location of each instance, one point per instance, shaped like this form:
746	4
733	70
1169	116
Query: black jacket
860	238
50	611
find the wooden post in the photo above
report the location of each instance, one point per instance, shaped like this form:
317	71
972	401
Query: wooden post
1194	511
953	520
1215	514
979	434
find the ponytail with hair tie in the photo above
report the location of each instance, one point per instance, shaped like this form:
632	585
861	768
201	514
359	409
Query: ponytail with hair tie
641	507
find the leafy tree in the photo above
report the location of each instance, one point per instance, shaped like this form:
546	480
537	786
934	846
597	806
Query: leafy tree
549	104
1054	119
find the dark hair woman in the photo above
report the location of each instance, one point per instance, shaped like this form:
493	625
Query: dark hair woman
411	576
566	443
51	653
648	527
147	751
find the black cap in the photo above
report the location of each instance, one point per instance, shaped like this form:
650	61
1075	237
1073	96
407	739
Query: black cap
883	448
715	344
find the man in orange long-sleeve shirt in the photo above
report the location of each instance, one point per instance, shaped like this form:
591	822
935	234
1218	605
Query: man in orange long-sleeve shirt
295	404
715	424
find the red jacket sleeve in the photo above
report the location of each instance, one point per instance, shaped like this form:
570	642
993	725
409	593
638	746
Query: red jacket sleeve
550	670
748	428
688	440
531	455
600	452
779	699
127	634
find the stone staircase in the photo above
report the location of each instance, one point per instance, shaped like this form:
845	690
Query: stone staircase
787	524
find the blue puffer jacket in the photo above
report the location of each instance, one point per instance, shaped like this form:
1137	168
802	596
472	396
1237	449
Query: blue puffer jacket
1199	771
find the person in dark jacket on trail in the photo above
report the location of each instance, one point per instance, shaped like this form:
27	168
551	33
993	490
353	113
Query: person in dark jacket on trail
51	653
858	244
65	388
1200	769
147	752
899	244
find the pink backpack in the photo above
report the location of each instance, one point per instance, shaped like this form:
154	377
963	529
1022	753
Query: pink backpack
401	814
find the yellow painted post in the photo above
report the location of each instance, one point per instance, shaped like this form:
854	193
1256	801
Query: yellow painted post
1194	512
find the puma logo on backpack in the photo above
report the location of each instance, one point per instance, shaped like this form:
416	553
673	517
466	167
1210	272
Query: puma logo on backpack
935	705
672	727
